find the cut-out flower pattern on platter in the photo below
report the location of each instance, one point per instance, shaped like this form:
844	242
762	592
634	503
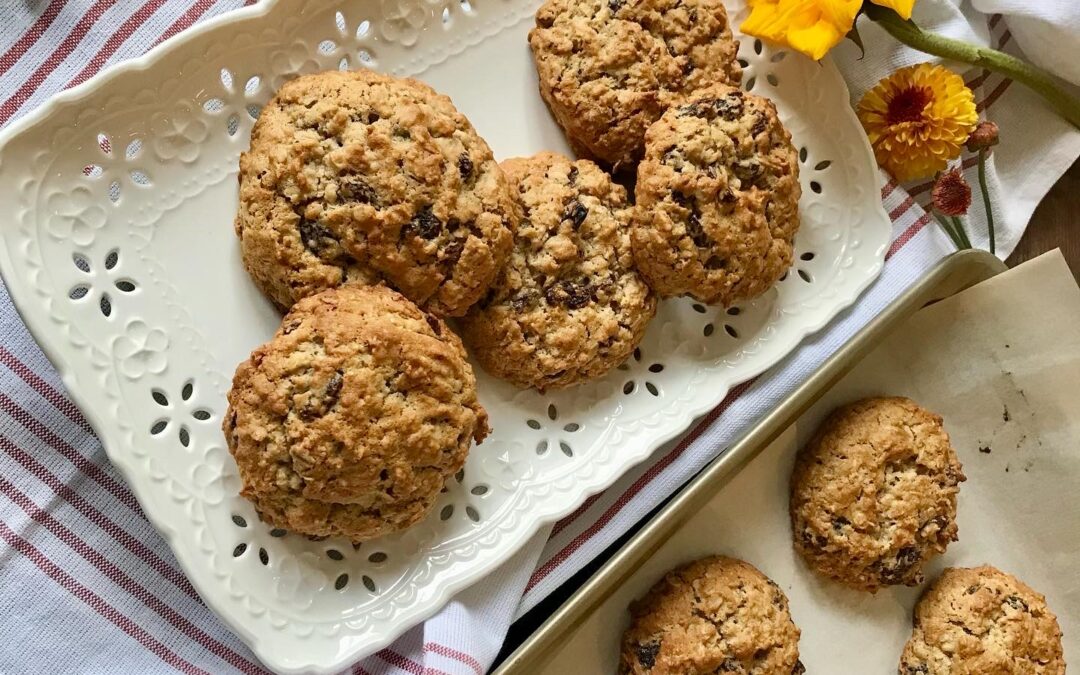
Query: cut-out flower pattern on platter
467	507
178	413
557	436
239	101
355	41
631	385
99	280
117	168
355	561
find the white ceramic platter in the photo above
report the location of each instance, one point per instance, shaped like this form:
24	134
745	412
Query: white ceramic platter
117	246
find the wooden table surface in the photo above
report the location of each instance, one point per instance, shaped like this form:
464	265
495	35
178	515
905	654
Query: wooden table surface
1055	224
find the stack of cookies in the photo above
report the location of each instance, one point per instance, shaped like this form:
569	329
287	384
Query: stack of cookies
652	87
372	212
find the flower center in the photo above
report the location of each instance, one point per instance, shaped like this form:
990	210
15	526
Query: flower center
908	105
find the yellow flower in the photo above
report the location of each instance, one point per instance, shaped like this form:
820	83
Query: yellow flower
812	27
918	119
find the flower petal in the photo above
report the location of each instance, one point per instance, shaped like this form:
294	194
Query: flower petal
901	7
812	27
815	41
765	21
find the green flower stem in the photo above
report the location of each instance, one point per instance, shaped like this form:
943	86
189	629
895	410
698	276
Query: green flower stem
1040	81
943	221
959	225
986	199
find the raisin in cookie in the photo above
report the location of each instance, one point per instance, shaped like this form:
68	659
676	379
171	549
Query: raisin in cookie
357	176
982	621
716	615
609	68
351	418
569	306
873	495
718	199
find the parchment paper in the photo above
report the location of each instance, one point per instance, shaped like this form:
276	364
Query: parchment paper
1001	363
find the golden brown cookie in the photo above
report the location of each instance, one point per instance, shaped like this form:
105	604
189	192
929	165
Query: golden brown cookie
982	621
569	306
716	615
358	176
717	199
349	421
609	68
873	495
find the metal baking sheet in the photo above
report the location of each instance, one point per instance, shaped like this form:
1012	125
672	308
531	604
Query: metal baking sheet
952	275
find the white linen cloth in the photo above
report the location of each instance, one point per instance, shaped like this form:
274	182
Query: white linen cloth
87	585
1047	30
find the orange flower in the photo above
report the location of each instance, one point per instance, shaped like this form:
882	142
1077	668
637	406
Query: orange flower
984	137
918	119
951	194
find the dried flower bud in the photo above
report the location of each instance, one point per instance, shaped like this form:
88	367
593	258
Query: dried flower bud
985	136
951	194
